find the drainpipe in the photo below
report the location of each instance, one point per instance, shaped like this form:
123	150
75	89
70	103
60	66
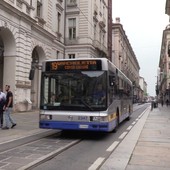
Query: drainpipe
65	28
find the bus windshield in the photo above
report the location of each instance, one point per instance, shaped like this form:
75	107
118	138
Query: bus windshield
78	90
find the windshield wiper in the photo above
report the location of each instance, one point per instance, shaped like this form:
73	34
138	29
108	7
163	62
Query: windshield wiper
84	103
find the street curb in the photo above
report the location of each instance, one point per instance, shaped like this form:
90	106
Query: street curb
120	163
24	140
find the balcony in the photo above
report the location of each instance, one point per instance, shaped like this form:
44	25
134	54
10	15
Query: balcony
22	6
60	1
58	36
72	3
59	6
95	9
40	21
102	24
71	41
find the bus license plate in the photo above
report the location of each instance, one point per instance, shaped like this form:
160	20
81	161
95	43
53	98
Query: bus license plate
83	126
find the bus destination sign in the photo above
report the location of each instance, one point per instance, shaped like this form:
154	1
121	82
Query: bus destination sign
73	65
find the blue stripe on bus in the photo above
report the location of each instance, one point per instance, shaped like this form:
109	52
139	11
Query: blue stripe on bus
76	125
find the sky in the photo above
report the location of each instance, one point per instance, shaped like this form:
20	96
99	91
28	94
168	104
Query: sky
143	22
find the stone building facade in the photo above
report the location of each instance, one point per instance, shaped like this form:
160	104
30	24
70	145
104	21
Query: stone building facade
163	77
124	57
164	65
87	23
143	92
32	31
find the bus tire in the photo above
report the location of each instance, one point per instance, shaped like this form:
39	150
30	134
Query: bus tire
128	118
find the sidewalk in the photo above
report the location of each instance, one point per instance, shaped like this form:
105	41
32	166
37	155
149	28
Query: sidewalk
27	124
146	146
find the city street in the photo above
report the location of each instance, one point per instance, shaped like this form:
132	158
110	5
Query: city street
84	85
69	150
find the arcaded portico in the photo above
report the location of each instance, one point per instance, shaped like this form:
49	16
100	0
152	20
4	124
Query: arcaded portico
20	49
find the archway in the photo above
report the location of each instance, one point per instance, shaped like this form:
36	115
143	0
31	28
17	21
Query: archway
38	56
7	58
1	62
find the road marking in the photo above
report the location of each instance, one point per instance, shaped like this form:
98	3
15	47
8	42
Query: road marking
141	115
130	127
123	135
133	123
112	146
96	164
137	119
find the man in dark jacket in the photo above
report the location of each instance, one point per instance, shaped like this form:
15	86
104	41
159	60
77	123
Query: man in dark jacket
8	109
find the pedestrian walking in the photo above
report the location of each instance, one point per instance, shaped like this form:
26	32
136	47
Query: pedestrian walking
162	102
167	102
8	109
152	105
2	103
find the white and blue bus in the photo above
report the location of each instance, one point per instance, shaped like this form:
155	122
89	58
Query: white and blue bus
84	94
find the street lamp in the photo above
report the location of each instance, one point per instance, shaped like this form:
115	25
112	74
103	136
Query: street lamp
34	64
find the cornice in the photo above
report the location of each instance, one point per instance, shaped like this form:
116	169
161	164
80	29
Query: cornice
9	8
72	12
22	16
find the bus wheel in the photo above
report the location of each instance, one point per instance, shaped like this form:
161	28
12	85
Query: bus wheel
128	118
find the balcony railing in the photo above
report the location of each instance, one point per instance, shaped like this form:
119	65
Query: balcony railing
71	3
40	21
102	24
95	9
58	36
69	41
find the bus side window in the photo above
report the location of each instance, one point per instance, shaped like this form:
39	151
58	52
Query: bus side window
112	80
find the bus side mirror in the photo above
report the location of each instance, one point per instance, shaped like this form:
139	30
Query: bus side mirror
112	80
31	74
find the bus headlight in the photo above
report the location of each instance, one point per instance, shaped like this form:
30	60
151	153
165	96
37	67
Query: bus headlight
45	117
100	119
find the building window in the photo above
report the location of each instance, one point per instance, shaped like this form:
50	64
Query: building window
72	28
71	56
71	2
59	22
39	8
